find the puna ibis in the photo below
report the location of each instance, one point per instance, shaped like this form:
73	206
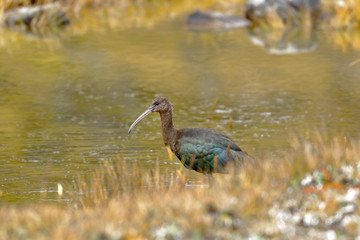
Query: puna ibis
200	149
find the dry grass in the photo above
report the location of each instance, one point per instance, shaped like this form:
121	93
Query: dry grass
343	14
116	202
96	15
345	19
340	14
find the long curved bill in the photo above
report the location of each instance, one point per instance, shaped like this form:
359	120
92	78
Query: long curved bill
141	117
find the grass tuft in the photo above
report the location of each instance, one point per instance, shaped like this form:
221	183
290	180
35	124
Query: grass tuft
123	201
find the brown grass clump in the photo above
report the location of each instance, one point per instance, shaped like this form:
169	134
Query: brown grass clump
124	202
343	14
339	14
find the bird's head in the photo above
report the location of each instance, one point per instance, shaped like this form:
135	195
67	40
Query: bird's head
159	104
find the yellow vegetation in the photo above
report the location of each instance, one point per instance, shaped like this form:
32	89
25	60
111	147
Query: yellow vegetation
123	202
344	14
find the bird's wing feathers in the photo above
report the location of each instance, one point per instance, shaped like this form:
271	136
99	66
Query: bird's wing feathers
197	148
209	136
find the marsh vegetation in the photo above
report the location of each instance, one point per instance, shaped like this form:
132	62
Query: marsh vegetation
299	194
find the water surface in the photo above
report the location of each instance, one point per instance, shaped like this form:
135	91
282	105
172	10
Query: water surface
66	103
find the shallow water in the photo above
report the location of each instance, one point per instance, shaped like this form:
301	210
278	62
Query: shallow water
67	103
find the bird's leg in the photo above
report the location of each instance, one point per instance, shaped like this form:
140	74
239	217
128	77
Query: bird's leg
211	179
169	152
215	161
180	176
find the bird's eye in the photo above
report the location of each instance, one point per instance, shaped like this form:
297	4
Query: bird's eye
156	104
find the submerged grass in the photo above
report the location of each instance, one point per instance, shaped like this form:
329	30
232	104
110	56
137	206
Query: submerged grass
120	201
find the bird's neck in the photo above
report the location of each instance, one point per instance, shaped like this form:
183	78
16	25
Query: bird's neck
168	129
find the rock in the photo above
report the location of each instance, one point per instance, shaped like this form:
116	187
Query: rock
208	20
335	221
285	12
52	15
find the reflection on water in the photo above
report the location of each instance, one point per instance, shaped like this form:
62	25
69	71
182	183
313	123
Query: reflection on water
285	41
66	110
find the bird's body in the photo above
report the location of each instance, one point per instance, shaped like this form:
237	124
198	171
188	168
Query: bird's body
206	150
200	149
